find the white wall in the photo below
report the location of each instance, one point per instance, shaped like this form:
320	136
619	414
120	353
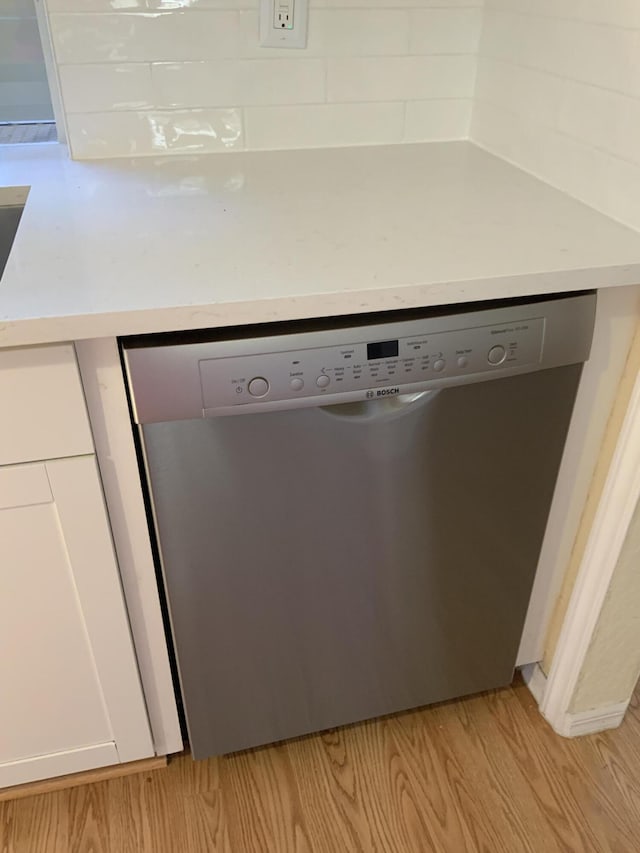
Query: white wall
612	665
558	93
176	76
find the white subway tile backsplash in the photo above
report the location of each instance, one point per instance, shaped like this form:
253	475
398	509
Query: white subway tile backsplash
622	185
444	30
121	134
144	37
589	53
603	56
608	120
623	13
519	39
558	93
118	6
400	78
111	134
238	83
99	88
193	84
511	86
275	81
405	4
56	6
324	125
368	32
566	163
200	5
133	71
430	121
101	38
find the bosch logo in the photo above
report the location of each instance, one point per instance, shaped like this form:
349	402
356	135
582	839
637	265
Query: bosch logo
387	392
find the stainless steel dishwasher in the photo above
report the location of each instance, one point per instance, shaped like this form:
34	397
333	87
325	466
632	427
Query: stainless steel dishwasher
349	513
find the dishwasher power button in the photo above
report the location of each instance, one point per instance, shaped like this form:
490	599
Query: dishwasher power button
323	380
496	354
258	387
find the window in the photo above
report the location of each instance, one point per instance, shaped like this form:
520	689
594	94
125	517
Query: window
26	113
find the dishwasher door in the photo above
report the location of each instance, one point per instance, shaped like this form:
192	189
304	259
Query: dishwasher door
328	565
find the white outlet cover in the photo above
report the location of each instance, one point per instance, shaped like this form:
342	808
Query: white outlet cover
272	36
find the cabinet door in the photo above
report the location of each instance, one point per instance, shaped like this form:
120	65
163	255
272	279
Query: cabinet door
70	693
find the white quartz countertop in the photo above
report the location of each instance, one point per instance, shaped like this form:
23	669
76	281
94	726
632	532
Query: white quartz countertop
117	247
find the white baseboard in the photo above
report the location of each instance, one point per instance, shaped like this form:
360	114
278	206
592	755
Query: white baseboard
535	679
594	720
581	723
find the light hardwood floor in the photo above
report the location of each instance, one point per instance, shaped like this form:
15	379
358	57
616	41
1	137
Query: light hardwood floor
481	774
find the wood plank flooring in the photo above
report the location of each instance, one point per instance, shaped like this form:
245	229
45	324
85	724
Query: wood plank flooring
483	774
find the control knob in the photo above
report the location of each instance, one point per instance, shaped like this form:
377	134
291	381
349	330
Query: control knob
497	354
258	386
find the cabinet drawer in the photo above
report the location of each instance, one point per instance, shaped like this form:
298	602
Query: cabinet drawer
43	410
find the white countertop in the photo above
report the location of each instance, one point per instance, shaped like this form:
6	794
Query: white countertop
119	247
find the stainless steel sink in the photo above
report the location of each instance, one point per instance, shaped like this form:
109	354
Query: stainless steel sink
9	219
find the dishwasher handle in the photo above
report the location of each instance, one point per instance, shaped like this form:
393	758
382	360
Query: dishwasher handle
383	409
351	403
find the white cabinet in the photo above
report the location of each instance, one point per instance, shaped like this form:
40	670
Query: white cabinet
70	693
43	410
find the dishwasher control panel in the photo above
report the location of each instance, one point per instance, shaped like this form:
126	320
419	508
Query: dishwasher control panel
377	367
324	362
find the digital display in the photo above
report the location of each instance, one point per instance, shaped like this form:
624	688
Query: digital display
382	349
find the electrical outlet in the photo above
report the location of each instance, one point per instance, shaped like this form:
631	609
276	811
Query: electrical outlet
283	14
283	23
